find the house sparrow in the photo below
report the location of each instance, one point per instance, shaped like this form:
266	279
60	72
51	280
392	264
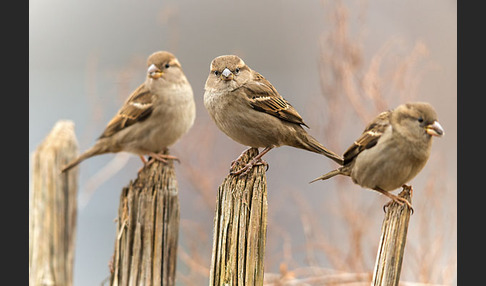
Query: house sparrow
392	150
247	108
154	117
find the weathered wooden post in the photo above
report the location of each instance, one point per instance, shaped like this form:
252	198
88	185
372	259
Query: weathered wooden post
392	243
147	229
53	209
240	227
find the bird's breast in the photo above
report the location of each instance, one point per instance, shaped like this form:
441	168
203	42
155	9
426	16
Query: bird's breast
237	119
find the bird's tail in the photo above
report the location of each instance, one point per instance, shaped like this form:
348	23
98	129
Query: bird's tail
89	153
331	174
313	145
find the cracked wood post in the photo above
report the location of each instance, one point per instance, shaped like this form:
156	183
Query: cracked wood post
240	227
389	259
53	209
147	229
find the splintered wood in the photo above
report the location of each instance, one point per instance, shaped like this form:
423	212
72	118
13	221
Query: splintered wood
53	210
392	243
240	226
147	229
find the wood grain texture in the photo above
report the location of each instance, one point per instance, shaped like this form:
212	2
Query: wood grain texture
394	229
53	208
240	227
148	229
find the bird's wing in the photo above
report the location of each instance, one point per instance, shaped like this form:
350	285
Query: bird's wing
136	109
369	137
265	98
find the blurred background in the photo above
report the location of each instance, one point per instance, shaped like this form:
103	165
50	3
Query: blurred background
339	63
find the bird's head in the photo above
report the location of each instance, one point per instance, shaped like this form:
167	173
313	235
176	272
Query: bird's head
163	65
417	119
227	72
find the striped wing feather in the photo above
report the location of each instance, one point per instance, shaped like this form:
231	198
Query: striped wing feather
137	108
369	137
265	98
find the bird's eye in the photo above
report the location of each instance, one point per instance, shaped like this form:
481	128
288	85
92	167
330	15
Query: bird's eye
420	119
167	66
216	73
237	70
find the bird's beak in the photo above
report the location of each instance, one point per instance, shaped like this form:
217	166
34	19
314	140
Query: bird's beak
227	74
154	72
435	129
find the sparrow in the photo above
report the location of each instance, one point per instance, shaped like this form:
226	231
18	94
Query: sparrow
392	149
157	114
247	108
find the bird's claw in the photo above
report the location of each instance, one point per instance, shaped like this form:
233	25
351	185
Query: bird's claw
157	157
243	171
161	157
399	200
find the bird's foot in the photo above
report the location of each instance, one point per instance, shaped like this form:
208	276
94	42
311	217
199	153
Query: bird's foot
257	160
237	161
401	201
156	156
397	199
243	171
161	157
